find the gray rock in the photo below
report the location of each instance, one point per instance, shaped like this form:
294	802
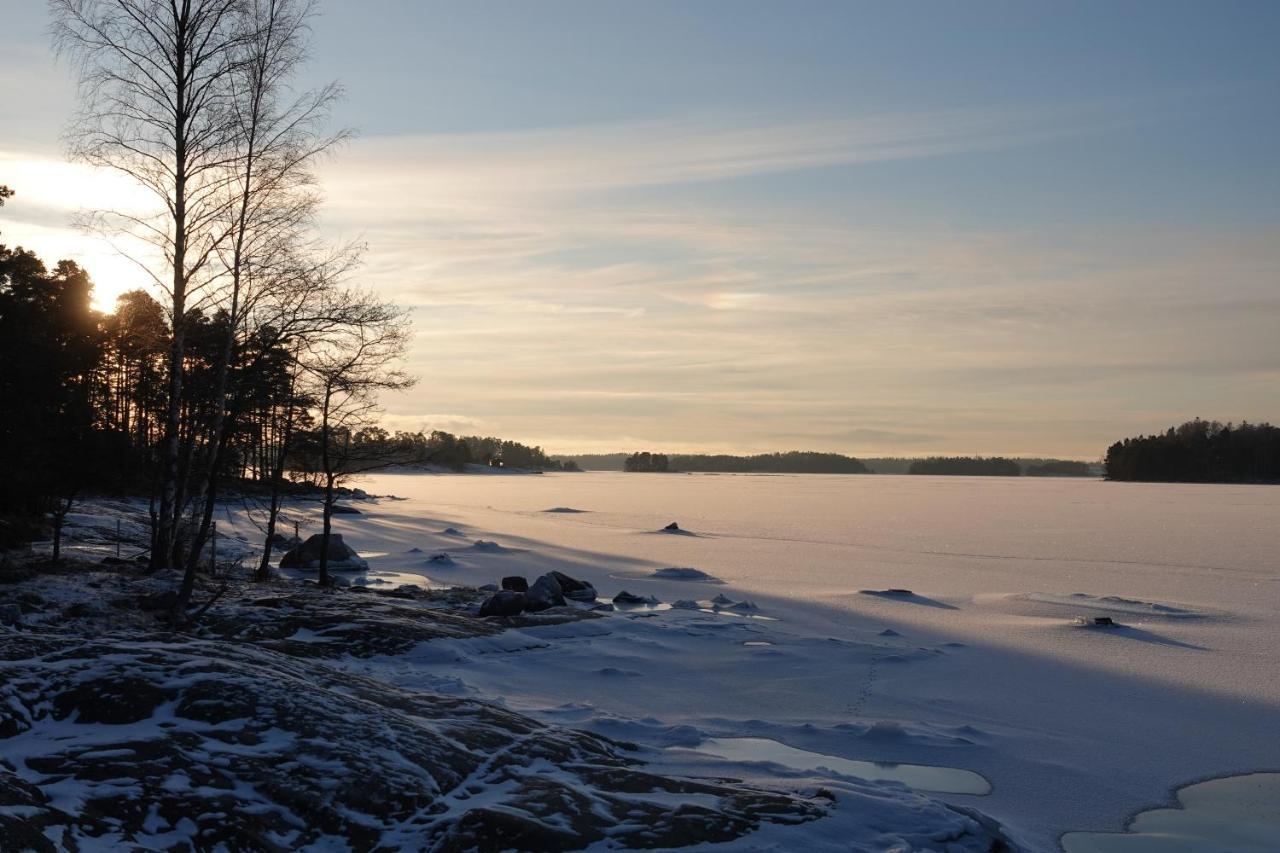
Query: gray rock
515	583
504	603
544	593
625	597
574	588
307	555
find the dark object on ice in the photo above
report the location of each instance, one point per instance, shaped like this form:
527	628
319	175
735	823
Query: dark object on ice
451	531
625	597
544	593
307	555
1103	622
515	583
906	595
442	559
10	614
672	526
574	588
505	603
343	509
414	550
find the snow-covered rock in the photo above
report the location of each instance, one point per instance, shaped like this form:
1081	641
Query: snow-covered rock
342	557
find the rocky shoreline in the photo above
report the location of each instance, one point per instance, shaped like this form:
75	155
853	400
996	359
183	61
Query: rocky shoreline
250	729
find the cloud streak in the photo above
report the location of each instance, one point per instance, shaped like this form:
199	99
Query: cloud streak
572	288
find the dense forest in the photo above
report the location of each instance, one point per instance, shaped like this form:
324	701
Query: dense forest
968	466
1199	452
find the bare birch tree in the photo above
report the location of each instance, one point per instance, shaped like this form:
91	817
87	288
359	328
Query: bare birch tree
156	93
279	136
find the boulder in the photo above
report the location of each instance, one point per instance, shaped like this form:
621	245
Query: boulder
574	588
544	593
625	597
307	555
515	583
505	603
673	527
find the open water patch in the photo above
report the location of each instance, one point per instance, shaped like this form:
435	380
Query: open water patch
1234	814
923	777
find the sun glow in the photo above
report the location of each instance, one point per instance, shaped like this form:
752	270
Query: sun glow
49	196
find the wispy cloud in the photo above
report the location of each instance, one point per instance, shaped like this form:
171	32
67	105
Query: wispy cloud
566	292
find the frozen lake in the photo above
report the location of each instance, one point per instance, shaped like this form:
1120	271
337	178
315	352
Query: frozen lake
991	664
812	536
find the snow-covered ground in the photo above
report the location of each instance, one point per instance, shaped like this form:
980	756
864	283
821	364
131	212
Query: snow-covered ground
990	667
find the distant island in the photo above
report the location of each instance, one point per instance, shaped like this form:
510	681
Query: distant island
792	462
1199	451
810	462
967	466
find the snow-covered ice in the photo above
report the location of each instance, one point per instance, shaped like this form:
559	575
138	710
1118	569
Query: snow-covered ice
983	668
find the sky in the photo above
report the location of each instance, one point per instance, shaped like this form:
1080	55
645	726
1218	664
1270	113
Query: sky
876	228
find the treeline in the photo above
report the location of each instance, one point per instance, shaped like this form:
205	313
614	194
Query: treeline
451	451
256	354
792	462
1199	452
647	462
968	466
1058	468
800	462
